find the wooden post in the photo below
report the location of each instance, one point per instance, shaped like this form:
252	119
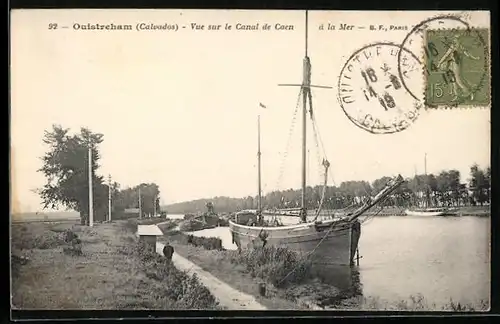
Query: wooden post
140	207
109	199
262	289
91	196
259	188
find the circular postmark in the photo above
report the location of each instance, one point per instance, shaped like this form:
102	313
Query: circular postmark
454	59
370	90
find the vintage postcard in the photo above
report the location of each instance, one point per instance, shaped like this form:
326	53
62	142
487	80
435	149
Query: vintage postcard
250	160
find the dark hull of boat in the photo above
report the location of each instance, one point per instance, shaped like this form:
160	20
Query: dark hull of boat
325	247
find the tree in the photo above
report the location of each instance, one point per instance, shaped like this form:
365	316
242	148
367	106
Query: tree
149	193
118	203
487	175
158	207
479	184
449	188
65	167
129	198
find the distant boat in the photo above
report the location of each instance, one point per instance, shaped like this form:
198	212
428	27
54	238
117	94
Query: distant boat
443	211
330	241
427	210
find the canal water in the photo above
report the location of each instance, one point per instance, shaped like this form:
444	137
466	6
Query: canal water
440	258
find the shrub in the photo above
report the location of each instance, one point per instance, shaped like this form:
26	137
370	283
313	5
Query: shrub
459	307
167	226
69	236
412	303
193	225
209	243
185	290
16	262
131	224
43	241
223	222
75	248
278	265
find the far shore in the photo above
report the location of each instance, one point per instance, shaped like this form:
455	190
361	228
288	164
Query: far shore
480	211
72	216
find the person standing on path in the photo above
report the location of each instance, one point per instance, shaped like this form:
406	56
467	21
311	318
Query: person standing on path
168	251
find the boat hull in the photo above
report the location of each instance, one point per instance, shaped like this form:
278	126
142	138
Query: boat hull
429	213
326	247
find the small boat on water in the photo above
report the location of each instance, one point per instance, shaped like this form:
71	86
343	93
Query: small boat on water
428	210
432	212
326	241
208	219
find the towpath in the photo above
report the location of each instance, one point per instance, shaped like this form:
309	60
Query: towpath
227	295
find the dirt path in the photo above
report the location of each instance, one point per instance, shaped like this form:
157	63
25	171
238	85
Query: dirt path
227	296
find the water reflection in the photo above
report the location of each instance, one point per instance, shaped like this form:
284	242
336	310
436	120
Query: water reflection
175	216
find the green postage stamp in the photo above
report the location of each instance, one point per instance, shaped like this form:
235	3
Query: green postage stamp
457	67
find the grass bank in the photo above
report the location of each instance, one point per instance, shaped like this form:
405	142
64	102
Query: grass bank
412	303
480	211
112	271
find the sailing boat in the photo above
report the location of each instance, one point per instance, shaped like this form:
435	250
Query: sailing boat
330	241
428	210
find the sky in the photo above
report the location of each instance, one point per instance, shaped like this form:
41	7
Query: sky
179	108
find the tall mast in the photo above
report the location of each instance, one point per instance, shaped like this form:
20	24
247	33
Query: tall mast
425	163
259	197
427	194
306	82
305	87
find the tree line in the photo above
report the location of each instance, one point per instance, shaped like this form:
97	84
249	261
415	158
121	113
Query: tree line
65	166
443	189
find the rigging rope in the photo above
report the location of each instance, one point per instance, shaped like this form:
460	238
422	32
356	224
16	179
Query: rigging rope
285	154
319	144
325	162
316	129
